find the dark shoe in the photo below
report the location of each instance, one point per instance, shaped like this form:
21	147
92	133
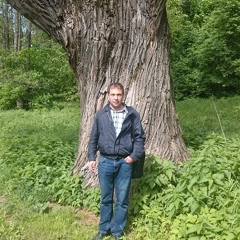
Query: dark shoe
101	235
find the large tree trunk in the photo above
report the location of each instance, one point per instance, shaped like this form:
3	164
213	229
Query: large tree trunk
116	40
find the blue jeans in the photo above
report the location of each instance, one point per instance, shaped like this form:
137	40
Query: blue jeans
114	174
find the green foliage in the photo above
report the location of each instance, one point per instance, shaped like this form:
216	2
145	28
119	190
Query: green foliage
199	199
205	52
199	118
60	222
9	229
37	156
36	77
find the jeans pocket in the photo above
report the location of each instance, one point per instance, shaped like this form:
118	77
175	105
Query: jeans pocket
102	159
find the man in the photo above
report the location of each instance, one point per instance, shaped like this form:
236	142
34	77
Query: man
118	135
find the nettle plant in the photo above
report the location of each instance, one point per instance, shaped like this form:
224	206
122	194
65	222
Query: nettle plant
198	200
37	157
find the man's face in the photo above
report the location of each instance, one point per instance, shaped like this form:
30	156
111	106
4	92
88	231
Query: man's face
115	97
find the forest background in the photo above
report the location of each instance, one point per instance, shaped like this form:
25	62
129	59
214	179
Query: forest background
199	200
205	55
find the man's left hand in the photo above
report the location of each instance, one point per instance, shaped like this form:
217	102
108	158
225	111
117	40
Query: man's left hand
128	159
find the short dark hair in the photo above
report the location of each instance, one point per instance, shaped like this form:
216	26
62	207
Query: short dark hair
116	85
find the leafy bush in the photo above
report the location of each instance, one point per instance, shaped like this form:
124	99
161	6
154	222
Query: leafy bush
36	77
37	157
199	200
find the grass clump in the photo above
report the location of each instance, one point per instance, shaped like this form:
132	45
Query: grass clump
58	222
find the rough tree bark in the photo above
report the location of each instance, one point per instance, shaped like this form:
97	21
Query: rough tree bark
17	31
5	26
116	40
28	37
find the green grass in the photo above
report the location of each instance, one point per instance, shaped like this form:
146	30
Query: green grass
39	200
60	222
31	144
200	117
